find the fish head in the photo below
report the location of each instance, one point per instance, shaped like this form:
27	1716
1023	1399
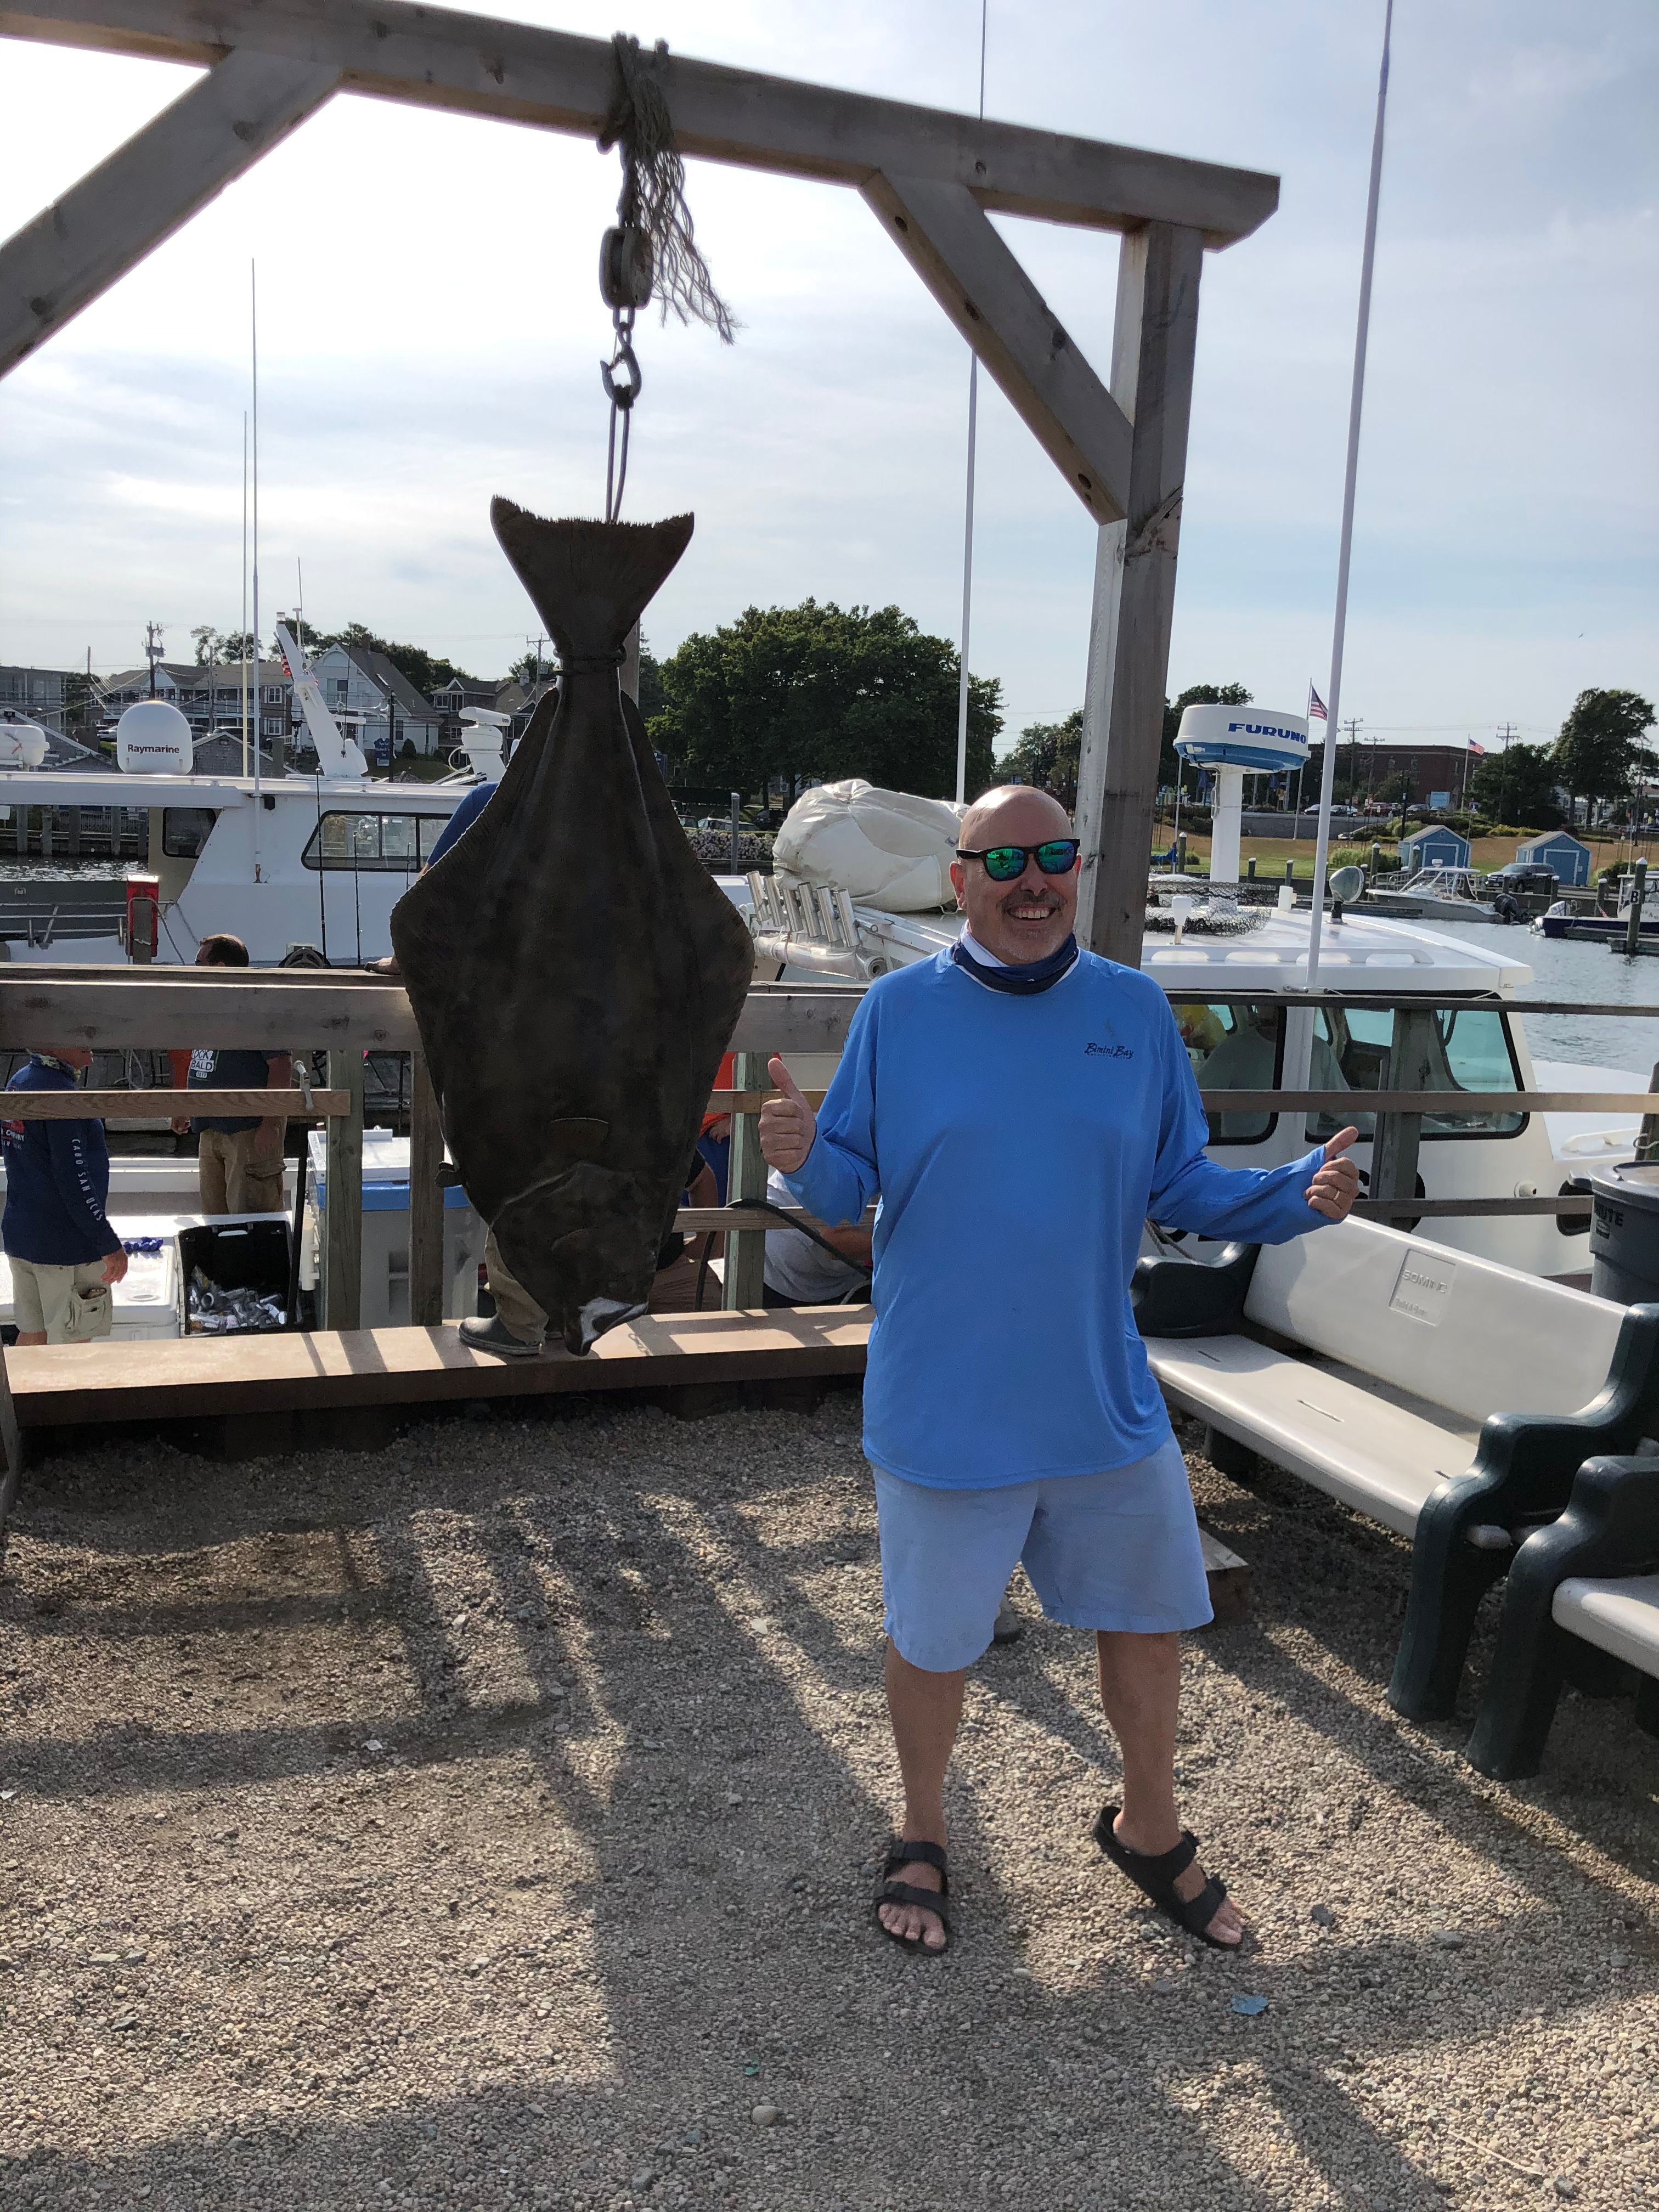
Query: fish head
584	1244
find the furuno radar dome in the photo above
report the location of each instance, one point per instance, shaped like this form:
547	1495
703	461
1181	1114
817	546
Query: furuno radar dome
1232	743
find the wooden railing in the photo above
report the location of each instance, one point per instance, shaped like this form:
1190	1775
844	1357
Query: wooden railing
349	1012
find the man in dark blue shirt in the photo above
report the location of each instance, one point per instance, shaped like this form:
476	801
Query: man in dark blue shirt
240	1167
63	1251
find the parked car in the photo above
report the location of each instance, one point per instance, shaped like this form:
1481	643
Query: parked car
1523	876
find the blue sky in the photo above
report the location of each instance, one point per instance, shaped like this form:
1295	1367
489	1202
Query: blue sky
430	330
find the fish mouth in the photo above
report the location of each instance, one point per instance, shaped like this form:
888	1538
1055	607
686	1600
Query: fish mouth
592	1320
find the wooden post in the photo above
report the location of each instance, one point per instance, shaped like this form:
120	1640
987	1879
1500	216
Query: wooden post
1411	1067
12	1443
1151	381
425	1200
745	1248
342	1251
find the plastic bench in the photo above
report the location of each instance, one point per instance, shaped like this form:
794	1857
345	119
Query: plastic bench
1588	1584
1447	1397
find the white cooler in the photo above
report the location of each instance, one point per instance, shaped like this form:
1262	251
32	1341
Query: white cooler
386	1233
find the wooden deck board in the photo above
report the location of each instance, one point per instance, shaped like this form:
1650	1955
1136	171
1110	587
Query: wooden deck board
192	1376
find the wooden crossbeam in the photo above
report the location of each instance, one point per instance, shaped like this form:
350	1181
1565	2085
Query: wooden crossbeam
1347	1103
105	224
476	65
948	238
167	1105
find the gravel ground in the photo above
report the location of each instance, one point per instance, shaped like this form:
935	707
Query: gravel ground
491	1821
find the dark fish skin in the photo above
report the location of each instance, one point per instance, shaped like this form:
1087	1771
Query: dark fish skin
574	972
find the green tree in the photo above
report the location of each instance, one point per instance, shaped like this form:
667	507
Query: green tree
232	645
1195	695
1517	786
1599	754
823	691
1046	754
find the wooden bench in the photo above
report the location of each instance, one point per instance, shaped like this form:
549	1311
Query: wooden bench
1447	1397
1581	1603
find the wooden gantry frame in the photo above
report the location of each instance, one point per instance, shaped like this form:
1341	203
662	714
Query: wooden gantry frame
931	177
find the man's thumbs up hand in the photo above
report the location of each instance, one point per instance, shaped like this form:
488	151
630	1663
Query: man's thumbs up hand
787	1125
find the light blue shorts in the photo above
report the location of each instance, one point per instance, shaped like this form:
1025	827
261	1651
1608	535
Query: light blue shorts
1102	1551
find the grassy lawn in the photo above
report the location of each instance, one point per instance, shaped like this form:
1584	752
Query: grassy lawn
1270	854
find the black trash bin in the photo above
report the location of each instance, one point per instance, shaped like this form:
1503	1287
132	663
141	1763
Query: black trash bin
236	1276
1624	1240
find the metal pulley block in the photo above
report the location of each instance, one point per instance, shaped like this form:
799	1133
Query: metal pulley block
625	267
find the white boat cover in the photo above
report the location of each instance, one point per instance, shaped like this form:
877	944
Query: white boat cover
887	849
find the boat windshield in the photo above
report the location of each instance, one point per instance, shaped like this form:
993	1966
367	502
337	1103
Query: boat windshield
1470	1049
365	841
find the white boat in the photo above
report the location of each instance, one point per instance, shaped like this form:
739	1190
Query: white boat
1442	894
280	861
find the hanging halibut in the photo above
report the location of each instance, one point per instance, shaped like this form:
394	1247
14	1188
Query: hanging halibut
575	971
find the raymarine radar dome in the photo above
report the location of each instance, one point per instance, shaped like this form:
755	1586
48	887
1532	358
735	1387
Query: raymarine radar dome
152	739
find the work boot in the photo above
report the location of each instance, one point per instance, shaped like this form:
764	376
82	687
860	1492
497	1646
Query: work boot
494	1335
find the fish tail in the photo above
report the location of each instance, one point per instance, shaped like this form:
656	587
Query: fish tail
591	581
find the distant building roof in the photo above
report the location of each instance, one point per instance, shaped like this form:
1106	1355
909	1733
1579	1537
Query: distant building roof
386	675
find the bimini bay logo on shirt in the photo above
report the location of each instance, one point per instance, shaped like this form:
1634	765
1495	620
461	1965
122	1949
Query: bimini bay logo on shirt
1093	1051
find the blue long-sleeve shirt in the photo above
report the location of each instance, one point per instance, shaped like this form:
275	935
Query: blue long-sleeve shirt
57	1180
1018	1144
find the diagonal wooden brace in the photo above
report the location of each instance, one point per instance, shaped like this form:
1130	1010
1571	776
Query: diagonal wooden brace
77	248
951	244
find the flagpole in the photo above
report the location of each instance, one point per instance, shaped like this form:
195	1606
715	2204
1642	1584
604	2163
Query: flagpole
1338	633
968	524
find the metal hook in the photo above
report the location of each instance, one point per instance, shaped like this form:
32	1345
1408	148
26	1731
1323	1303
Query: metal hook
625	393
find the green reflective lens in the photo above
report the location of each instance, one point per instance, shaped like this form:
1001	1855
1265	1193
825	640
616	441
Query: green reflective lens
1004	862
1057	856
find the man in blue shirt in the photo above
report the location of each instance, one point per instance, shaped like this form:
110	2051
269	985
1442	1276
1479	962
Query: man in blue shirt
1021	1107
63	1251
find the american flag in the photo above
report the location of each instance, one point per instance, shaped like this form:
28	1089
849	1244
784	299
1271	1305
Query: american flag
1315	706
1479	751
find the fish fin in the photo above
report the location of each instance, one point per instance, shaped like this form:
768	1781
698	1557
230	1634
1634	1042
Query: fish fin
591	581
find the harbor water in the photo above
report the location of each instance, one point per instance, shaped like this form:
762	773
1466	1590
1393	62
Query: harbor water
1563	969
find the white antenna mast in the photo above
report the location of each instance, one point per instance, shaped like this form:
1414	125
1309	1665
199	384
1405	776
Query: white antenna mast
967	526
242	672
254	303
1334	696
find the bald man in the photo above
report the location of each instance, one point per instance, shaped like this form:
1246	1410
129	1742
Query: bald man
1021	1107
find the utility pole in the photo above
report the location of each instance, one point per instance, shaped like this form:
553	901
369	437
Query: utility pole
152	651
1506	732
1351	726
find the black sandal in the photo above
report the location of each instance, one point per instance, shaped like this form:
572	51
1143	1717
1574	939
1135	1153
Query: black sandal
889	1891
1155	1873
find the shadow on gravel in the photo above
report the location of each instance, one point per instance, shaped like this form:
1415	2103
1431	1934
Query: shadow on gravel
636	1702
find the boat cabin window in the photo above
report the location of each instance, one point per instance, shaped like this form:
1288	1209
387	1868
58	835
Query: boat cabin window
1471	1050
400	842
1233	1048
186	830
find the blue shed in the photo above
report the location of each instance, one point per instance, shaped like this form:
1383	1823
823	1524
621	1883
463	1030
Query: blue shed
1437	847
1559	850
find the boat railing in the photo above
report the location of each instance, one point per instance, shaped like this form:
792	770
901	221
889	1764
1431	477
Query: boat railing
348	1013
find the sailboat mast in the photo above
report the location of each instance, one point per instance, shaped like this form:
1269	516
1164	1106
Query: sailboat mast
242	672
968	524
253	307
1339	634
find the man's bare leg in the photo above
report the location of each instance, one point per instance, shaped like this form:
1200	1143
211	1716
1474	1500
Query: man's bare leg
1140	1691
924	1710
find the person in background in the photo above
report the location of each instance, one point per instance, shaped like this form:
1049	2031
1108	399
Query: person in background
241	1165
55	1230
800	1272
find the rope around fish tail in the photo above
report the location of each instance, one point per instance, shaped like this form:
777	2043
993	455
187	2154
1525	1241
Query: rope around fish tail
653	188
